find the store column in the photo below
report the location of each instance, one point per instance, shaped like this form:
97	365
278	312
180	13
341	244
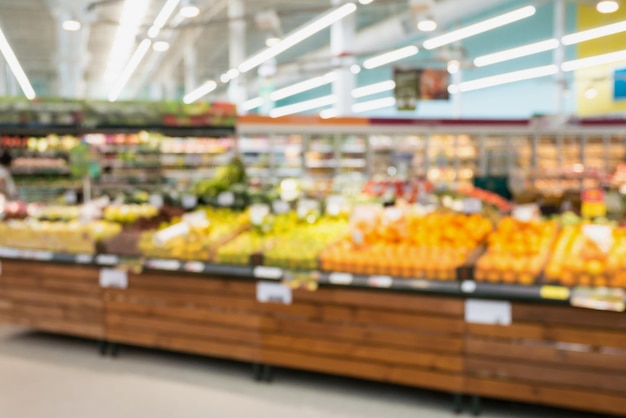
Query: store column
72	56
342	37
190	63
237	89
559	55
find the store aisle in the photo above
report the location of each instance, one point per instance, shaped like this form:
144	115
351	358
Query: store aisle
55	377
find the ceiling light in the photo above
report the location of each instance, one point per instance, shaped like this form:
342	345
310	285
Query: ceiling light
374	105
252	103
200	92
298	36
505	78
272	41
189	9
454	66
161	46
607	6
303	86
366	1
16	68
591	93
224	78
595	33
132	15
329	113
303	106
162	18
355	68
233	73
518	52
372	89
480	27
130	68
389	57
72	25
594	61
427	24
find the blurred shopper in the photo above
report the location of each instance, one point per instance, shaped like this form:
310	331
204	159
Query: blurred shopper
7	185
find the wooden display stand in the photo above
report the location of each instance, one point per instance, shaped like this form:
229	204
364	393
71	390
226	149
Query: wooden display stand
552	355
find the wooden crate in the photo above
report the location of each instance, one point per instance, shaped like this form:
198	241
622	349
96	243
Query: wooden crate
213	317
62	299
558	356
404	339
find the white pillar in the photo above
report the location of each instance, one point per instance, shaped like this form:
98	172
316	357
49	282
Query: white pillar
559	54
342	38
3	78
190	63
72	57
237	89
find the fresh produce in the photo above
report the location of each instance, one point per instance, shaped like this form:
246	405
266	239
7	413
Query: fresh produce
128	214
408	245
225	177
517	251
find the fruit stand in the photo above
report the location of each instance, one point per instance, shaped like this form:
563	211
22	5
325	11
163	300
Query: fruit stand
453	289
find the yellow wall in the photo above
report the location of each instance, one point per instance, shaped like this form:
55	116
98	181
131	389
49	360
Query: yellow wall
600	77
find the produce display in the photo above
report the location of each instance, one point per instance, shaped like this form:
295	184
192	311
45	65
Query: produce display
408	244
518	251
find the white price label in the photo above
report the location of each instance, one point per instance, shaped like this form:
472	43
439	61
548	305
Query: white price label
273	293
226	199
342	279
472	205
9	253
107	260
280	206
156	200
270	273
42	256
194	267
168	265
113	278
488	312
335	204
71	197
189	201
258	213
468	286
84	258
380	281
526	213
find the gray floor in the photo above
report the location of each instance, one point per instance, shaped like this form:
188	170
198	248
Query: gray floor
44	376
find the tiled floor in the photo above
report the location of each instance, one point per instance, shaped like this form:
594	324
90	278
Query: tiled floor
43	376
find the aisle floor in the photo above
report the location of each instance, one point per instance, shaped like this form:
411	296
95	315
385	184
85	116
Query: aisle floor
45	376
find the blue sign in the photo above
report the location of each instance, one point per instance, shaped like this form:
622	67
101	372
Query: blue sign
619	86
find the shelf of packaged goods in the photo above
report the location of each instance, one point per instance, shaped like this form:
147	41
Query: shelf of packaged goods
39	171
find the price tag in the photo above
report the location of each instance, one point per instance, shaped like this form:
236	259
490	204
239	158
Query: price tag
472	205
280	206
488	312
526	213
226	199
189	201
168	265
9	253
380	281
273	293
419	284
71	197
342	279
554	292
107	260
194	267
42	256
600	299
270	273
468	286
258	213
84	259
113	278
593	204
156	200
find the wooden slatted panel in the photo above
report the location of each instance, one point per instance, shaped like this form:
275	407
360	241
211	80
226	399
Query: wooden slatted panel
55	298
557	356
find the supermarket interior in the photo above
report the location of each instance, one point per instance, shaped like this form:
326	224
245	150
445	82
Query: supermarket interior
350	209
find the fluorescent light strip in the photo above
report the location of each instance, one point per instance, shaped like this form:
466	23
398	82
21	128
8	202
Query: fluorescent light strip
164	15
200	92
389	57
252	103
594	61
303	106
480	27
505	78
329	113
595	33
518	52
373	89
130	68
303	86
133	13
374	105
298	36
16	68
